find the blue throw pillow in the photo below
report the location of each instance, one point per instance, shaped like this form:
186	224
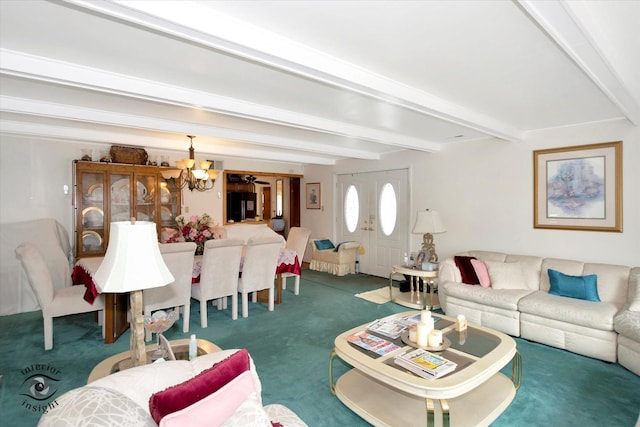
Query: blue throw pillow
580	287
323	244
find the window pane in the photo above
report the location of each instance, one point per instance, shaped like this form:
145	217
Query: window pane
388	209
351	208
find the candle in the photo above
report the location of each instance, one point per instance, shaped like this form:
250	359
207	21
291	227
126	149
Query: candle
435	338
425	315
423	334
413	333
461	323
462	337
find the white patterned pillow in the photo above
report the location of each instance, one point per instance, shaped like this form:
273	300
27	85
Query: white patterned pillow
506	275
96	406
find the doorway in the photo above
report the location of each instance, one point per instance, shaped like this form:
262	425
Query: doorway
373	209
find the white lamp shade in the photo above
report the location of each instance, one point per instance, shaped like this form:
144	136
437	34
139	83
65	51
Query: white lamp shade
133	260
428	222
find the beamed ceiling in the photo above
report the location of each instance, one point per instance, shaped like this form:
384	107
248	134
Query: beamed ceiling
313	82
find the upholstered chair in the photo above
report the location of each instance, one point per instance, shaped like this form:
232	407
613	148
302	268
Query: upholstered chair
219	276
177	294
53	302
339	261
259	270
297	240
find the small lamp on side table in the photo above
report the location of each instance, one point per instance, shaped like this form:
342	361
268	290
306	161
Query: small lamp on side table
428	223
132	263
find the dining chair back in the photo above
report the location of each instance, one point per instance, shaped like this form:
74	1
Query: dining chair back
53	302
177	295
297	240
219	276
259	269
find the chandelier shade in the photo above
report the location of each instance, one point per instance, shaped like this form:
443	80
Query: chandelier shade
187	176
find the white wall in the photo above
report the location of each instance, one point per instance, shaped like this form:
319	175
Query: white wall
484	192
33	172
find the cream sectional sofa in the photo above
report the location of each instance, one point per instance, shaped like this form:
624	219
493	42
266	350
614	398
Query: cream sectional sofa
522	306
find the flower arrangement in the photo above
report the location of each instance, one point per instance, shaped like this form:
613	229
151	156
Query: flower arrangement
198	229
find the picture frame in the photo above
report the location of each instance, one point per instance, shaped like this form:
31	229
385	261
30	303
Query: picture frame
578	188
313	196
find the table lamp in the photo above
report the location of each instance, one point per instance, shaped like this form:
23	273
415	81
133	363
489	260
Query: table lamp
428	223
132	263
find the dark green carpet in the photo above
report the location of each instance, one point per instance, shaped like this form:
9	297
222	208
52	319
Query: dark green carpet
291	348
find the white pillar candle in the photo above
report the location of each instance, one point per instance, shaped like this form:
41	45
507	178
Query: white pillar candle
423	334
430	324
425	315
413	333
461	323
435	338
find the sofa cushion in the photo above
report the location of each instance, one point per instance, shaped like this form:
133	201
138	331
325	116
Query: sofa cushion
202	385
505	275
323	244
570	310
580	287
627	324
500	298
467	272
482	273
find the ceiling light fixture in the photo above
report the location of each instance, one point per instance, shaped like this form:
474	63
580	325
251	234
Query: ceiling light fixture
195	179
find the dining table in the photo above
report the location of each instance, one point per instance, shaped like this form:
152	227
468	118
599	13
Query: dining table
116	305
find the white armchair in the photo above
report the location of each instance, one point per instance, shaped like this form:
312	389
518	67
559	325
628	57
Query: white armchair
259	269
339	262
177	294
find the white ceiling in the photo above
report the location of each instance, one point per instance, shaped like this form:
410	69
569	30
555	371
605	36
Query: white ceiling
314	81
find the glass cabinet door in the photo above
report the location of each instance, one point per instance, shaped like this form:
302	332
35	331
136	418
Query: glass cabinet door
121	195
145	193
91	212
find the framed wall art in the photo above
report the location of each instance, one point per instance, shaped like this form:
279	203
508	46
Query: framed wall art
313	195
578	188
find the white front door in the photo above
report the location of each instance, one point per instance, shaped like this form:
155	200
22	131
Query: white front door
373	209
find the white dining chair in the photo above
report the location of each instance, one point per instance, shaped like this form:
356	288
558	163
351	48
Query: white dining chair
297	240
259	270
219	276
54	302
177	295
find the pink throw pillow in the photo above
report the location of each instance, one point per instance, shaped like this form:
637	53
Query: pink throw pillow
482	272
197	388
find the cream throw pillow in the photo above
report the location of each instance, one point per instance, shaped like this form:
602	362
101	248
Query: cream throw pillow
635	301
505	275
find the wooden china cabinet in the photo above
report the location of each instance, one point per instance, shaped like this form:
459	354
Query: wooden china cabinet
109	192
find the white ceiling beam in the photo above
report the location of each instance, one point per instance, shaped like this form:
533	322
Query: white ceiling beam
561	24
206	26
90	115
107	137
73	75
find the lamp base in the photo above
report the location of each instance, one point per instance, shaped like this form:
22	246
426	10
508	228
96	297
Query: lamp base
428	249
138	350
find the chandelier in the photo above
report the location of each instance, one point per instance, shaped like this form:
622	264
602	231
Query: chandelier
188	176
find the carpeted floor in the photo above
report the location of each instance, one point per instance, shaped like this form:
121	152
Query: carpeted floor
291	348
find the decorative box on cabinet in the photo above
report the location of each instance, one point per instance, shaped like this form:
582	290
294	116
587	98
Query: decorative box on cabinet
107	192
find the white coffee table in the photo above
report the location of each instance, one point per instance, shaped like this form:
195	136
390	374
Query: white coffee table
475	394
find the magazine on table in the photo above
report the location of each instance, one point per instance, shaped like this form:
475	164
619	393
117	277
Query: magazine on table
425	363
393	328
372	343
